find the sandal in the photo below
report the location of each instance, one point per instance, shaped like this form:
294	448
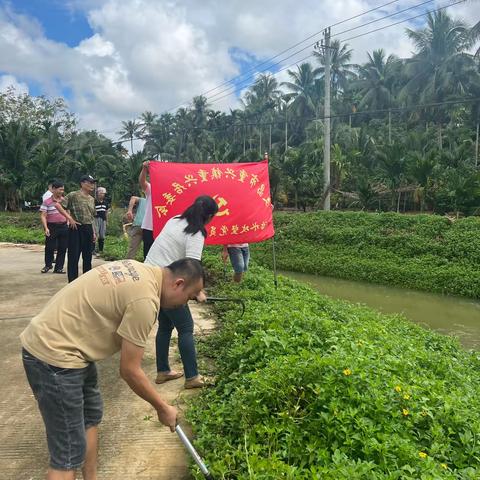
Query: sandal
46	268
59	271
165	377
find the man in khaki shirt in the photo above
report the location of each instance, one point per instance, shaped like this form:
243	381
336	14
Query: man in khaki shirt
109	309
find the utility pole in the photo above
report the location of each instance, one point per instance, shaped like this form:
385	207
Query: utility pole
244	134
476	145
286	128
389	127
270	143
260	146
326	123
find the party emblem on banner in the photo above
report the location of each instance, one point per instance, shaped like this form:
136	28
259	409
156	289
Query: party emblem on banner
241	190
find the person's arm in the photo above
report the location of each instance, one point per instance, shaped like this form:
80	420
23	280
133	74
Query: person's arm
133	201
63	212
43	216
194	249
131	371
142	178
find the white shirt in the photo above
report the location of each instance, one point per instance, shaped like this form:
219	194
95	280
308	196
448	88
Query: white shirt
147	223
173	244
46	195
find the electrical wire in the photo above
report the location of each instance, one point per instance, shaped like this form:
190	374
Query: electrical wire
247	81
254	69
344	40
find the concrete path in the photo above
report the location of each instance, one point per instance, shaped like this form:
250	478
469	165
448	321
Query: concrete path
133	445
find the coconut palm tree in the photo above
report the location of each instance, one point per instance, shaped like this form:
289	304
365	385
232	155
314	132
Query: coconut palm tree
147	120
375	80
302	87
341	70
129	131
441	48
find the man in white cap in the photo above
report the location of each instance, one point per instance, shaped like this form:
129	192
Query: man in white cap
101	211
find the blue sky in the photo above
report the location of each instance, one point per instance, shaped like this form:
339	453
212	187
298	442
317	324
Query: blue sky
59	21
114	59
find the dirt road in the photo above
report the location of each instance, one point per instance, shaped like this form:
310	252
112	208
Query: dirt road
133	445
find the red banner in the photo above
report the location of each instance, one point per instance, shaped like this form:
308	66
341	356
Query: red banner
241	190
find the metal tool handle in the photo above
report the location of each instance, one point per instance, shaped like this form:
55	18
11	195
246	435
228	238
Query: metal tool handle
227	299
193	452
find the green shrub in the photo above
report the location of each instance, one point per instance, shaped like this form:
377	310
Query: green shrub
425	252
310	388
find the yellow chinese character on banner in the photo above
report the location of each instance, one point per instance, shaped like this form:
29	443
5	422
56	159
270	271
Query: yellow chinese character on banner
253	180
267	201
223	230
161	210
245	228
213	231
189	179
234	229
255	227
178	188
230	173
170	199
261	189
216	173
263	226
242	175
221	202
203	174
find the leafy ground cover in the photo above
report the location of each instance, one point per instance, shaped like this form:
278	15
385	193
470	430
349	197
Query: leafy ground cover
313	388
425	252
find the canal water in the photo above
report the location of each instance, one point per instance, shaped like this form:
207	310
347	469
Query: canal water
457	316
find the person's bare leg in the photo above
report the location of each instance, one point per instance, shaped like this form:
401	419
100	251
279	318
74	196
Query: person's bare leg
89	468
53	474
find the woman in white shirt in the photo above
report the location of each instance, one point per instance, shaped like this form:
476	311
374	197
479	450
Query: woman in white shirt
182	236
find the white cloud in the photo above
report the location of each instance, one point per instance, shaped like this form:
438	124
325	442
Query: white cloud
151	55
9	81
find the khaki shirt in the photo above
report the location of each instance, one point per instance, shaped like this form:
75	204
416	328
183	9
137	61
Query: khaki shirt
82	207
86	320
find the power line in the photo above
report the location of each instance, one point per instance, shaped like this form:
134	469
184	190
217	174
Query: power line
339	115
247	80
298	117
255	67
357	36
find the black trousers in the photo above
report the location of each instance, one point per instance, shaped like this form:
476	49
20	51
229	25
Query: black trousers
147	236
58	239
79	242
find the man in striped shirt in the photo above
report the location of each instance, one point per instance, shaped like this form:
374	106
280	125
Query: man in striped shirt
54	221
101	212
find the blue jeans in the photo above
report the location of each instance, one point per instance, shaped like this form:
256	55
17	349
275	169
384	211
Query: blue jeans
239	257
182	320
70	402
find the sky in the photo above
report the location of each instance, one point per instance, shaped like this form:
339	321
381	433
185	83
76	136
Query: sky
114	59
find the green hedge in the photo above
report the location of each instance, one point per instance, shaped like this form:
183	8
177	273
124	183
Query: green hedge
311	388
26	227
425	252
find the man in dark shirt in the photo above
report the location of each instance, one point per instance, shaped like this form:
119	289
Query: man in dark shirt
101	211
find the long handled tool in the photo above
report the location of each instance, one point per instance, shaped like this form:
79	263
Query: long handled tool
228	299
193	453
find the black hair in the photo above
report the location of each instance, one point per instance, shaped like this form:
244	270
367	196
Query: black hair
57	183
190	269
198	214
